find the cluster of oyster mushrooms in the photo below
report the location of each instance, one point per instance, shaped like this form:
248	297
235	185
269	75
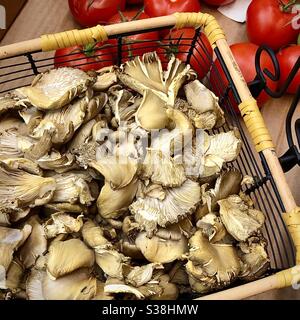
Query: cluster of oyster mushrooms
112	186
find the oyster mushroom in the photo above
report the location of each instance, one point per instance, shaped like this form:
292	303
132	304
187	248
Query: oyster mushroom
72	188
63	122
19	189
157	229
35	246
93	235
212	227
100	294
4	219
56	88
127	114
125	143
178	274
23	164
169	291
158	288
106	77
10	123
57	162
123	104
95	105
31	116
14	276
151	190
140	275
16	214
255	259
175	76
152	112
111	262
240	220
130	227
82	135
13	145
66	207
114	287
173	141
248	181
10	241
223	147
206	155
68	256
62	223
178	203
41	147
129	249
97	130
203	107
228	183
8	104
112	203
78	285
119	172
162	249
162	170
143	73
211	266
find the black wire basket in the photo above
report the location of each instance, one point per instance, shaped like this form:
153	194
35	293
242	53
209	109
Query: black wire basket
19	70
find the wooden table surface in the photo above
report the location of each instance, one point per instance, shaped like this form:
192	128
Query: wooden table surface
48	16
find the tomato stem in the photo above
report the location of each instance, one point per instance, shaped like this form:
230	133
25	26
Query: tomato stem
173	47
138	14
89	49
123	18
286	7
90	3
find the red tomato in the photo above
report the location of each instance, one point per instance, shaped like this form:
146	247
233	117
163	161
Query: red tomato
268	23
287	58
134	45
93	57
218	2
179	43
134	2
89	13
157	8
244	54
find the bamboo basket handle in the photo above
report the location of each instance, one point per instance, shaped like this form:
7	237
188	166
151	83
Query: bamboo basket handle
256	126
101	33
282	279
81	37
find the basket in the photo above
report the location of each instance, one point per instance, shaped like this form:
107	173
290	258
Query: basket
20	62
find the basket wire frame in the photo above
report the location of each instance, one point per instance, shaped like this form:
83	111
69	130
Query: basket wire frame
19	71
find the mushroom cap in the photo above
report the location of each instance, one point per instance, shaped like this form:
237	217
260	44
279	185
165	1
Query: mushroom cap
55	88
178	203
68	256
240	220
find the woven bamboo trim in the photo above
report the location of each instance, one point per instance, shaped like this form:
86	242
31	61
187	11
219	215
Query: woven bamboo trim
292	221
211	28
73	37
288	277
256	125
